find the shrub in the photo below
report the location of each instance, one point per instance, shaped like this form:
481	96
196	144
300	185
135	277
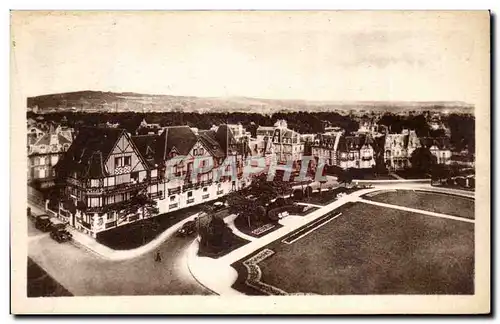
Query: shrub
298	194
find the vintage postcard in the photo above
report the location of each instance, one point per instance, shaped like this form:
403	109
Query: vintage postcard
246	162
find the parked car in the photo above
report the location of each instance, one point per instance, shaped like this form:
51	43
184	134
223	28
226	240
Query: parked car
61	235
42	222
187	229
56	224
218	205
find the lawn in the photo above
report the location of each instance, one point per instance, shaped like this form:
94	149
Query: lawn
454	187
429	201
370	176
326	197
367	250
241	223
306	211
232	243
411	174
134	235
265	228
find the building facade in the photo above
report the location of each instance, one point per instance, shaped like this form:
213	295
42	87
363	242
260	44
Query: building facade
439	147
346	152
44	151
398	149
106	170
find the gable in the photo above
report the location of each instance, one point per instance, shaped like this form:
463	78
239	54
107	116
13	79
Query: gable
124	148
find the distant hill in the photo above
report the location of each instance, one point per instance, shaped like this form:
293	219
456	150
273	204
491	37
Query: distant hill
98	101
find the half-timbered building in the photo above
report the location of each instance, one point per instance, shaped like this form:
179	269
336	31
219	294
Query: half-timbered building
101	174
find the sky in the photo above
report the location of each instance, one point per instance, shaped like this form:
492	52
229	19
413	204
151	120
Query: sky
338	56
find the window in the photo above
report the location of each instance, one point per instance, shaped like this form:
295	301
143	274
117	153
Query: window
190	194
94	183
154	173
127	161
123	178
94	202
195	151
54	159
42	148
172	198
205	189
111	181
111	200
118	161
201	151
41	173
135	176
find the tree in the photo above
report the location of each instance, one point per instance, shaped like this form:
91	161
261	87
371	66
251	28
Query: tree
242	206
147	204
261	214
298	194
265	191
422	160
345	177
213	233
439	172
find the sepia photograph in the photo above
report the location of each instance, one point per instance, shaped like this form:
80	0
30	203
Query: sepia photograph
278	162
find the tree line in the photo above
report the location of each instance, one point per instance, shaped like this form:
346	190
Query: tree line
302	122
461	126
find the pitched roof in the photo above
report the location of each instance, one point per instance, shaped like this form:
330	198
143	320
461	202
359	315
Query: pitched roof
182	138
347	143
89	150
326	141
45	140
146	145
209	139
225	138
443	143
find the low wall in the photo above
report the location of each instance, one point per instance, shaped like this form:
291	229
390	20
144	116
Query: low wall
395	181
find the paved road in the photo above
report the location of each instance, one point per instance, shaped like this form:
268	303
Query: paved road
85	274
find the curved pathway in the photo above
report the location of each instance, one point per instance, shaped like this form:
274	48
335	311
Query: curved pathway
135	272
221	276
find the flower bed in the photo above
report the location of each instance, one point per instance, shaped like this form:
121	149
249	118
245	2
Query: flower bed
254	274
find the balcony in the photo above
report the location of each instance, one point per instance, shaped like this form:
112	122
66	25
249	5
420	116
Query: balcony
206	183
190	200
155	195
126	187
174	191
187	187
172	206
110	224
205	196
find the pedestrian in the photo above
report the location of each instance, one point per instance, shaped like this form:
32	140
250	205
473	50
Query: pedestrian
158	256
